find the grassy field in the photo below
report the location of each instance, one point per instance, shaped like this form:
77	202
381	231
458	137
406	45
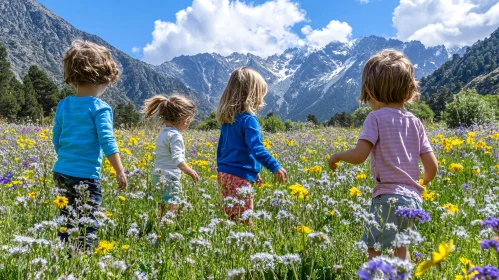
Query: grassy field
308	228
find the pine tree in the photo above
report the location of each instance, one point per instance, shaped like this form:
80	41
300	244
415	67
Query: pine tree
67	90
8	101
47	93
313	119
30	108
16	89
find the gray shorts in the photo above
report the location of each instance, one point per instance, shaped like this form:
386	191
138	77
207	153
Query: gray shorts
384	213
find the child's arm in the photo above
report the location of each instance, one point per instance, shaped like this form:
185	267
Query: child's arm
355	156
189	171
104	125
178	155
254	141
430	165
56	133
115	161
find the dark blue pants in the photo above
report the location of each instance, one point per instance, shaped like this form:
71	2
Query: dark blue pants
84	197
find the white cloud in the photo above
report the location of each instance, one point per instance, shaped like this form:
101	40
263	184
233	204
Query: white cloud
364	1
135	49
227	26
334	31
449	22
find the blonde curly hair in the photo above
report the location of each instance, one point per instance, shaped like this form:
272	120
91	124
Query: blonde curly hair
86	63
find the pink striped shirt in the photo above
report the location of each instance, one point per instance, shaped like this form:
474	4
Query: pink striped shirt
399	139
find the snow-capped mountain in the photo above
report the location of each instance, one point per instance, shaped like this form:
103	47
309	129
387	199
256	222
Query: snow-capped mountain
302	81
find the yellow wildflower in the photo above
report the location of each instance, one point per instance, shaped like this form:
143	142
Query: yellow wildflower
125	247
104	247
298	191
451	207
122	198
303	229
436	258
355	192
361	176
428	196
63	229
315	169
455	167
331	212
108	214
265	185
61	202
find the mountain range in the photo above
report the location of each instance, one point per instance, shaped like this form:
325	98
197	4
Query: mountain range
307	80
477	68
302	81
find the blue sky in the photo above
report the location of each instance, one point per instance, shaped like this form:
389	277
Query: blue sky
129	24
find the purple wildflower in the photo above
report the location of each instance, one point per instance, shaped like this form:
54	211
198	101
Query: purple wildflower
492	223
373	268
418	215
418	256
194	152
487	272
8	175
466	186
492	243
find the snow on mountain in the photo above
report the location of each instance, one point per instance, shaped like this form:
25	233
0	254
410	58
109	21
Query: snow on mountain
306	80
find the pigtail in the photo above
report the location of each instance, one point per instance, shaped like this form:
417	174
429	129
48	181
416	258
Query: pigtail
154	105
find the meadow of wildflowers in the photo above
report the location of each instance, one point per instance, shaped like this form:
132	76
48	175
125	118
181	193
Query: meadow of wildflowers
308	228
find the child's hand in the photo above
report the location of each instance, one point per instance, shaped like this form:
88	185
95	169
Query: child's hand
122	182
259	180
194	175
280	175
333	163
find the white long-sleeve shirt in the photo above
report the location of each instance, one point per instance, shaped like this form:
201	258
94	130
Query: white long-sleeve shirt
170	152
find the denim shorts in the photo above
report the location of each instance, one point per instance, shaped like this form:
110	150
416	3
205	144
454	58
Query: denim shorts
171	189
384	213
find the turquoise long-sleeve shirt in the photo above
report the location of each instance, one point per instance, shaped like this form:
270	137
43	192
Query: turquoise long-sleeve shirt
83	128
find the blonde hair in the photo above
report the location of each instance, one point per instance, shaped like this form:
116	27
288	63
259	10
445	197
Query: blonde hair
174	110
388	77
88	63
244	93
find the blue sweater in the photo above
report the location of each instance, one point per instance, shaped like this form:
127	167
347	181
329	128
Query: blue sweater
240	149
82	126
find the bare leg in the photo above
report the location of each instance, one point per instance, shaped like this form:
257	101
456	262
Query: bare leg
161	212
373	253
402	253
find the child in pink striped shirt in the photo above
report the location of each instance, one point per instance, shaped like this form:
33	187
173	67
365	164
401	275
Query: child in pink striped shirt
396	140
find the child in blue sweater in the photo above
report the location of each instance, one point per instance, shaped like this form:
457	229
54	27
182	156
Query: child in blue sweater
240	152
83	129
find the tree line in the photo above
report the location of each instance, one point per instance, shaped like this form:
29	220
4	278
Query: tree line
35	98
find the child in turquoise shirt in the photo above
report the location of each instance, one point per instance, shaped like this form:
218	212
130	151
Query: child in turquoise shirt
83	128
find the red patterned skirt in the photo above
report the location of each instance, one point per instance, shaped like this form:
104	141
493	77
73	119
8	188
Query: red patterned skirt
229	185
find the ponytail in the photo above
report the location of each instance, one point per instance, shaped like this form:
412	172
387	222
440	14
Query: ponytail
154	105
174	109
